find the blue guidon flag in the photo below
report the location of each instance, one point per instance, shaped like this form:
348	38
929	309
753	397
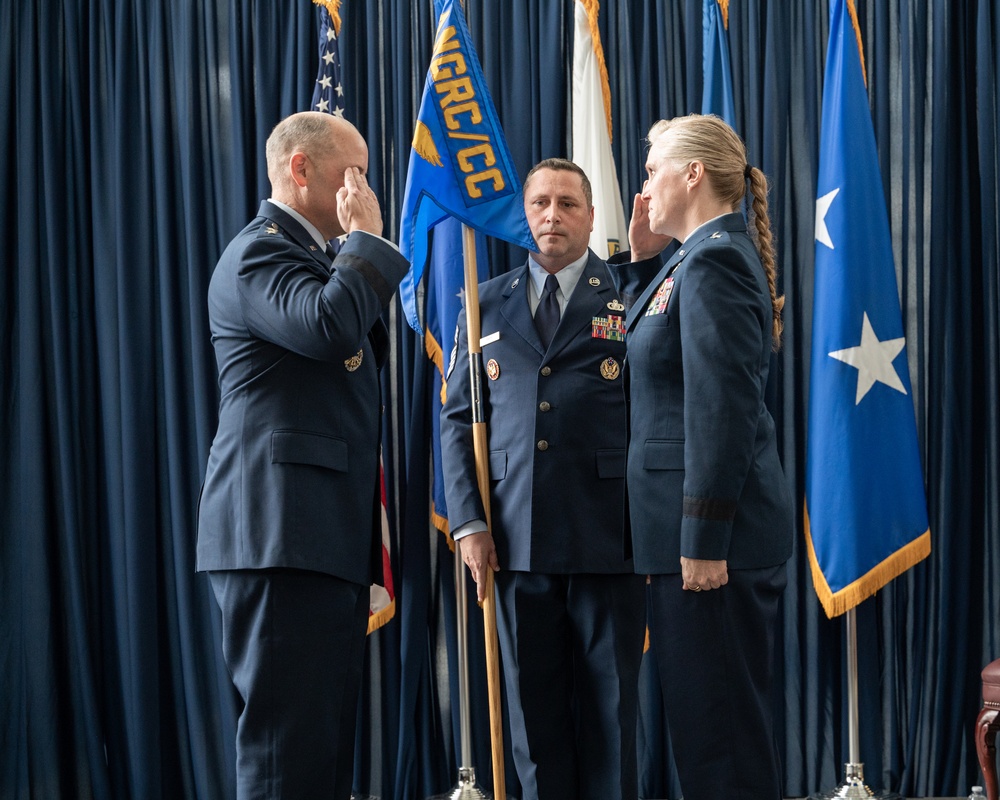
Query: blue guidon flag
717	88
866	511
459	163
444	297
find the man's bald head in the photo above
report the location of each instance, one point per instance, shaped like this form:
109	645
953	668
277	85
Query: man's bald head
307	156
309	132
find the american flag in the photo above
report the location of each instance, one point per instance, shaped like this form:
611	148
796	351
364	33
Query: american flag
328	94
328	97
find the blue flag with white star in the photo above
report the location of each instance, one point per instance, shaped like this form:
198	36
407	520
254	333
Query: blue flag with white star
459	162
866	512
717	89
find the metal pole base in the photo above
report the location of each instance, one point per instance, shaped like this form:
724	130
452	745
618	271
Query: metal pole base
465	789
854	786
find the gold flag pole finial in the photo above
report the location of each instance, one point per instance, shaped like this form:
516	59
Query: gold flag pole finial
333	7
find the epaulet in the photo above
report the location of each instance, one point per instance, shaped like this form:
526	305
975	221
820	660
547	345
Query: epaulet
270	229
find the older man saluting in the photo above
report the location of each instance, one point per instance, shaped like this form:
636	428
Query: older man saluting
288	526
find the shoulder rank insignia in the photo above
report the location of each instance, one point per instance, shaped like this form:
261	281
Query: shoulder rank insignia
715	235
272	229
659	302
610	327
610	369
354	361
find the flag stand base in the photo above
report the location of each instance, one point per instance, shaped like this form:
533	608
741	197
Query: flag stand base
465	789
854	786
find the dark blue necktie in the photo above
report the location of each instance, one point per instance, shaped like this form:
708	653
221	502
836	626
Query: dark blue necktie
547	313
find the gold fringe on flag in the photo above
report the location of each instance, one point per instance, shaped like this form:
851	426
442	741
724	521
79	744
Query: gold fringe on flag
382	616
593	7
857	34
836	603
333	7
441	523
436	354
724	7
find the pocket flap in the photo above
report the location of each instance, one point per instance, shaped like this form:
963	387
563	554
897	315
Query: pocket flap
303	447
498	465
661	454
611	463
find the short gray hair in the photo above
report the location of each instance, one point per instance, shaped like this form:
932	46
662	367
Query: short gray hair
307	132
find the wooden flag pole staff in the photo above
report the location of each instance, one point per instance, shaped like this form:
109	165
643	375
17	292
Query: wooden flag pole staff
483	477
467	788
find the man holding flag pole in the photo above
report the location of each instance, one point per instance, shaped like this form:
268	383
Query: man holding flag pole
570	609
866	513
460	167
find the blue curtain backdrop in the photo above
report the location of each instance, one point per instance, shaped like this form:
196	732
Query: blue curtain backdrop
132	135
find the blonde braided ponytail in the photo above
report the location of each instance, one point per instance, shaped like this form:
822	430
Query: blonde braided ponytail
764	241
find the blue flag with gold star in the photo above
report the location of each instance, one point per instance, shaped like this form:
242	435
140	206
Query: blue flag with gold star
459	162
866	512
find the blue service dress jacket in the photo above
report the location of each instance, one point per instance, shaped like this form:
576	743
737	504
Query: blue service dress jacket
704	479
292	476
556	427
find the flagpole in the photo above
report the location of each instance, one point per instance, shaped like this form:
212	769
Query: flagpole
462	601
853	785
467	788
853	746
483	477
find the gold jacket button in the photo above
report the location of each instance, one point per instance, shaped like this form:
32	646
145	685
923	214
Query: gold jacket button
544	405
546	371
543	445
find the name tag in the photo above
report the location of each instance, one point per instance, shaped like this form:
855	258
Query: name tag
493	337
